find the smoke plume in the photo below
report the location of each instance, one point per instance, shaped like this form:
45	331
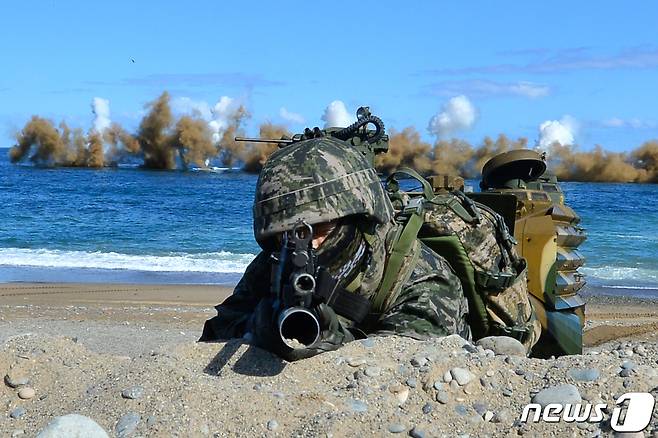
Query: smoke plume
291	117
193	141
230	150
456	115
557	131
258	153
43	144
457	157
152	135
406	149
336	115
165	141
101	109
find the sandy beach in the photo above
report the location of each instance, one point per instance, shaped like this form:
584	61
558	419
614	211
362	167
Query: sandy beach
83	345
71	309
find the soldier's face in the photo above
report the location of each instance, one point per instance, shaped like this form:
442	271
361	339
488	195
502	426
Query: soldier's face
321	232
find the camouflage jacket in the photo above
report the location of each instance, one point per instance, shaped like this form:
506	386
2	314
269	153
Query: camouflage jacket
429	304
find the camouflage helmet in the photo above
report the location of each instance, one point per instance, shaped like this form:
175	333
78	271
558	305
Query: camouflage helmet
317	180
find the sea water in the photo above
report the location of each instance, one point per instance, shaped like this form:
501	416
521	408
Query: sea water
132	225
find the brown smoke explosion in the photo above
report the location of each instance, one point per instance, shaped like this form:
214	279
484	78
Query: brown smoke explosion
193	140
95	153
165	143
257	153
46	145
121	143
406	149
153	137
453	157
645	158
161	141
599	165
230	150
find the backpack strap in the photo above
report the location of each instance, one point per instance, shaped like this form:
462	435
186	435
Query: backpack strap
428	192
404	244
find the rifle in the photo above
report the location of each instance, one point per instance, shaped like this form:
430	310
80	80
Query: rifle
293	286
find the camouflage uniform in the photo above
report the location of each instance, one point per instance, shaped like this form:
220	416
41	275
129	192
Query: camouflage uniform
322	180
431	303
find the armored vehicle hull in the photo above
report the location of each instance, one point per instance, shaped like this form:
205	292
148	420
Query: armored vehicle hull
548	233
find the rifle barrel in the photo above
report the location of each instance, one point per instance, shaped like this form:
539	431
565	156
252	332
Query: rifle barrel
263	140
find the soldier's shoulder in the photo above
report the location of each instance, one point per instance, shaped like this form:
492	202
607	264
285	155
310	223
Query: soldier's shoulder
429	263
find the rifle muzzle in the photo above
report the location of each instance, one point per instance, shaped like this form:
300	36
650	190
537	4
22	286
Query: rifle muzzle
298	325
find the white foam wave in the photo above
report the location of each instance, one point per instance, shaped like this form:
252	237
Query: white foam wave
621	273
614	286
219	262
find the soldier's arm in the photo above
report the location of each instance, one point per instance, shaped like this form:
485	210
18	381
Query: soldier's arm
431	303
234	313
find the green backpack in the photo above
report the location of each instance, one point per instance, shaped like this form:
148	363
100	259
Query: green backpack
476	243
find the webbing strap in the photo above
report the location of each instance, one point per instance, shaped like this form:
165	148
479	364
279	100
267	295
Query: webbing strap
345	303
453	204
428	193
350	305
401	249
494	282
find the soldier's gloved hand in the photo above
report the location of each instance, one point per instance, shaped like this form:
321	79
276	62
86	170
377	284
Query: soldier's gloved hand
265	333
263	329
332	335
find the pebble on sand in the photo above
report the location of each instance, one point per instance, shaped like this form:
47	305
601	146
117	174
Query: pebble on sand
132	393
16	379
461	375
17	412
400	392
272	425
357	406
26	393
417	433
562	394
72	426
127	424
356	362
442	397
396	428
373	371
503	345
584	374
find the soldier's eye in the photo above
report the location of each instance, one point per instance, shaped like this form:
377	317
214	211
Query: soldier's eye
324	229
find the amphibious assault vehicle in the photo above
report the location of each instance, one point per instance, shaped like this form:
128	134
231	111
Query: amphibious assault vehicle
515	185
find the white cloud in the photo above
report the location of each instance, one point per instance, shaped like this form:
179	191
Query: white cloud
336	115
633	123
528	89
487	88
561	131
290	116
101	109
456	115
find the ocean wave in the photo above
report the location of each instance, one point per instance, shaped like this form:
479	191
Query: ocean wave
621	273
215	262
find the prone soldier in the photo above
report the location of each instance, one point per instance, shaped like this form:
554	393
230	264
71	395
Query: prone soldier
321	215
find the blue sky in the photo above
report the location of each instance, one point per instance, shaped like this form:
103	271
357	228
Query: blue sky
518	63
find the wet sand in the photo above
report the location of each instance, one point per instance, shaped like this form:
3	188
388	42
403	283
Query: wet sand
113	318
126	318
